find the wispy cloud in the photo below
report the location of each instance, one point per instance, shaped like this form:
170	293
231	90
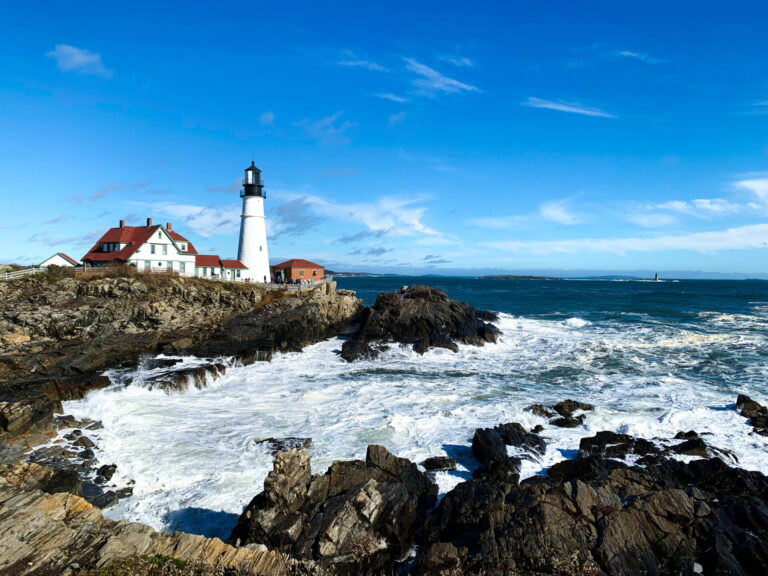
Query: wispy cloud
390	215
758	186
459	61
293	218
364	234
106	190
396	119
651	219
206	221
638	56
570	107
328	130
230	188
432	82
267	118
435	259
391	97
71	59
367	64
377	251
738	238
78	240
702	207
557	211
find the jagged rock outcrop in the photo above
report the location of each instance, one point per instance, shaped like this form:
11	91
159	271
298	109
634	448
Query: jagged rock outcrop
563	414
598	515
63	534
58	334
358	517
422	316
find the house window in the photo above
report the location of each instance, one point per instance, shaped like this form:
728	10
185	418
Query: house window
182	267
314	272
147	264
238	273
160	264
183	247
159	234
152	248
261	248
165	249
301	272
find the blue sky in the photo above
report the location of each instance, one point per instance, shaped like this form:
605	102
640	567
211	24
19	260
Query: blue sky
439	137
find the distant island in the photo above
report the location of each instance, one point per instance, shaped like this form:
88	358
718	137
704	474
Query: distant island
516	277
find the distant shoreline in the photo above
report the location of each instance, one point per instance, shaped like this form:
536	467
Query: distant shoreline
515	277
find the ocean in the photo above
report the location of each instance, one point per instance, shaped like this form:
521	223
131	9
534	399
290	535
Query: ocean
655	358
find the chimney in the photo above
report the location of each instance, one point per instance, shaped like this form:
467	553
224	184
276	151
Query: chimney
149	221
168	226
122	223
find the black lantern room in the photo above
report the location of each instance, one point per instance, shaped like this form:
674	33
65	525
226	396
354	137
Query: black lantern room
252	185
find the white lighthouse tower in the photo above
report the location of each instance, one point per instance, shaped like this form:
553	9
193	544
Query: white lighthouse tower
252	250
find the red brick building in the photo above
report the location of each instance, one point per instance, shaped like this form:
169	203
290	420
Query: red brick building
297	269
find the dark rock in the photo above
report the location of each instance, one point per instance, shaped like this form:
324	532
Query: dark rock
439	463
421	316
566	408
124	492
86	454
356	516
541	410
690	435
749	408
276	445
64	481
489	446
594	515
104	500
692	447
84	442
107	471
569	421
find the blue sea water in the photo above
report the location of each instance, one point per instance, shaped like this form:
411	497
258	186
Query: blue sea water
655	358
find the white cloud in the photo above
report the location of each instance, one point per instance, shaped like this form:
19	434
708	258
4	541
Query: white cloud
388	215
71	59
503	222
396	119
559	212
367	64
327	130
431	81
267	118
638	56
459	61
392	97
702	207
739	238
758	186
206	221
651	220
569	107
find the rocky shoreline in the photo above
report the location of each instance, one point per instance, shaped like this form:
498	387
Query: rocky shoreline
621	505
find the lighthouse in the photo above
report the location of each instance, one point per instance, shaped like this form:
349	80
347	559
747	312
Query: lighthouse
252	251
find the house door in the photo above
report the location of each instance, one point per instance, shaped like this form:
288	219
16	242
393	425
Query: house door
232	275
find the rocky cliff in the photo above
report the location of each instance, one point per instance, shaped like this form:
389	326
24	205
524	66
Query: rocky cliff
57	335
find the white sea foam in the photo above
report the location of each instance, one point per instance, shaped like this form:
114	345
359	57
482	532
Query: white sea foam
195	459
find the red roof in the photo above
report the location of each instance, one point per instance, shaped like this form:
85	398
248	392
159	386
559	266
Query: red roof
134	237
207	260
179	238
233	264
68	259
297	263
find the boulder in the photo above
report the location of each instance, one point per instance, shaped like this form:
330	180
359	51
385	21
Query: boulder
436	463
422	317
357	514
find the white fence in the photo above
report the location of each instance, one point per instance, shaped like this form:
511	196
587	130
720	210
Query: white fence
20	273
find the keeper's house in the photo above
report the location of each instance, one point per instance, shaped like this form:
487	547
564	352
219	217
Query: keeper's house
159	248
59	259
298	269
